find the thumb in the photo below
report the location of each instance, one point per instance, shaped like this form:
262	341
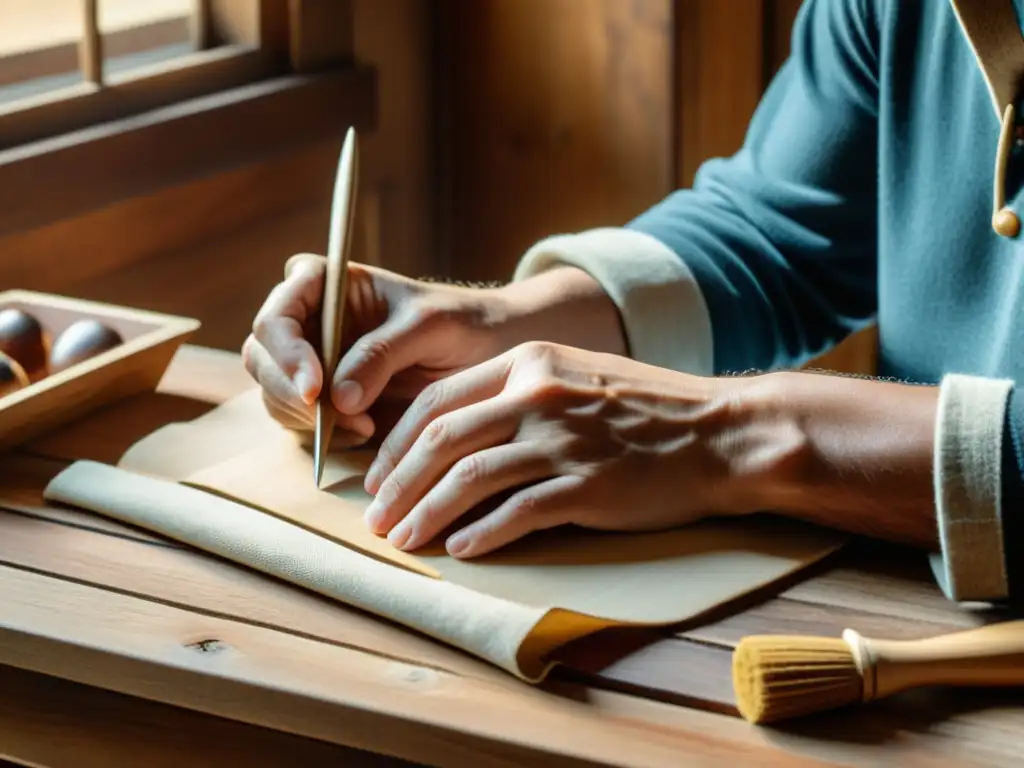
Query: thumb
400	342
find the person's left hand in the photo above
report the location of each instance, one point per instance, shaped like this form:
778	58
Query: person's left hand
577	437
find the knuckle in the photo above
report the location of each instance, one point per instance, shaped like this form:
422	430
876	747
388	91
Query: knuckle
429	513
527	505
373	349
262	324
535	351
393	489
438	435
469	470
304	265
384	461
432	396
545	390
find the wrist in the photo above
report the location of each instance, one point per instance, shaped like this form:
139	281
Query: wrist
564	305
843	452
761	442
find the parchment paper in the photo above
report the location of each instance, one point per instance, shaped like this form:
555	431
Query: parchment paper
662	577
247	493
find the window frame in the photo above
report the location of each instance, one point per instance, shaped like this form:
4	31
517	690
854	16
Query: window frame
271	76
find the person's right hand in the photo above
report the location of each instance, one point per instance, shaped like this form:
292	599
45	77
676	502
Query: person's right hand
399	334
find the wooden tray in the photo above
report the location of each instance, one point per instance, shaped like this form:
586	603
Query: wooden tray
137	365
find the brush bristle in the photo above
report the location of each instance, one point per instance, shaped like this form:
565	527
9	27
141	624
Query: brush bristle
780	677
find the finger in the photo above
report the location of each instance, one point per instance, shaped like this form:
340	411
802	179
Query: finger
445	440
408	335
285	415
304	260
368	365
460	390
358	428
471	481
280	327
269	375
539	507
281	401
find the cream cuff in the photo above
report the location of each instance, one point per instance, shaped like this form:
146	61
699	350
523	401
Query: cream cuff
666	320
971	566
667	324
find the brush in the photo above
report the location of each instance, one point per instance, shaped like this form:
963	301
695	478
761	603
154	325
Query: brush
778	677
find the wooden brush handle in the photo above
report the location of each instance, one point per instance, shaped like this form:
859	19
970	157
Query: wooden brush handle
986	656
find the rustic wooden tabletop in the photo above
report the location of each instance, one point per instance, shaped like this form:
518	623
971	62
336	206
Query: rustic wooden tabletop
121	648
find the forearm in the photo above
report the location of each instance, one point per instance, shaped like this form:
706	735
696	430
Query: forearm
563	306
865	458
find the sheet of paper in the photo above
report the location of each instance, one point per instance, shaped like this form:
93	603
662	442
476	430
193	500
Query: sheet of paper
178	450
661	577
561	584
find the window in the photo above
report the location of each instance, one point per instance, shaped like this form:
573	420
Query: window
105	99
39	40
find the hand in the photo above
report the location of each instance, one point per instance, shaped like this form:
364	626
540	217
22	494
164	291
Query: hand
399	335
577	437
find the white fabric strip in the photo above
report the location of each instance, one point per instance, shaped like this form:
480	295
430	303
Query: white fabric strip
487	626
666	319
971	566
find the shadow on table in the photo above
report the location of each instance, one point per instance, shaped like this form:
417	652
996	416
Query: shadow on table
912	712
106	434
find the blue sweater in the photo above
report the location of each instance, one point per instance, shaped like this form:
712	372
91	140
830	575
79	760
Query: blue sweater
863	192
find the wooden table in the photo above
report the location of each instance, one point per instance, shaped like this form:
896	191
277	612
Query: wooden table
156	655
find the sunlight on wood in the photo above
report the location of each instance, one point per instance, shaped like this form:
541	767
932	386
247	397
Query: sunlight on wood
32	24
125	14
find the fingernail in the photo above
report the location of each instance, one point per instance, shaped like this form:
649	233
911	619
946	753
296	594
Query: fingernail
373	514
304	385
348	395
458	544
399	535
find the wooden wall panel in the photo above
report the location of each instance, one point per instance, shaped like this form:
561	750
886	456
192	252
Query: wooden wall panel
556	121
397	194
722	49
558	115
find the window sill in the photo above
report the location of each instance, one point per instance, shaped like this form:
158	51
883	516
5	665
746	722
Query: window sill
80	171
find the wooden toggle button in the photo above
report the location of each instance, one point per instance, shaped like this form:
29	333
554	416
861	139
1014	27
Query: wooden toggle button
1006	223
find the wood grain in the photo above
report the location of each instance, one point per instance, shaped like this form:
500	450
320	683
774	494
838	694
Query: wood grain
50	722
161	600
228	297
204	211
134	365
44	117
321	34
792	617
332	693
721	75
191	580
556	121
177	144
